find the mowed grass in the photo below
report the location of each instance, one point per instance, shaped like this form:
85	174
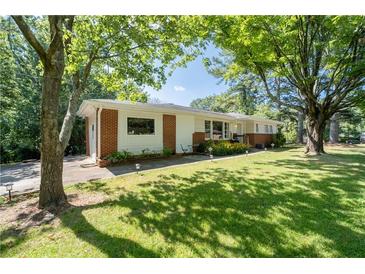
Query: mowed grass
274	204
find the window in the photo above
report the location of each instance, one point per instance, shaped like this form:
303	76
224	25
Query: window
271	129
257	127
207	129
266	129
226	130
217	130
141	126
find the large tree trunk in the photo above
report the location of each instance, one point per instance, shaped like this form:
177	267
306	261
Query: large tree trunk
53	144
51	189
315	132
300	127
334	129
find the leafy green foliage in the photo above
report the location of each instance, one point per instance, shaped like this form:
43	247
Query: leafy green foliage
222	148
289	130
124	155
203	147
133	50
124	54
314	64
119	156
243	95
167	152
279	138
20	83
352	124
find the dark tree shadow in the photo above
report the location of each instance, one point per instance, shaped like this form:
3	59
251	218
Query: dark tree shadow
229	203
113	247
226	213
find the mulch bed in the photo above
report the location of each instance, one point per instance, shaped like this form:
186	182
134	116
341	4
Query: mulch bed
25	214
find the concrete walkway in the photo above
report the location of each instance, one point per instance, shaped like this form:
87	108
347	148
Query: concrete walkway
26	176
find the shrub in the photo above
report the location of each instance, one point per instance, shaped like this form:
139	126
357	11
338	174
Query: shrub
226	148
289	131
167	152
147	153
118	156
279	139
203	147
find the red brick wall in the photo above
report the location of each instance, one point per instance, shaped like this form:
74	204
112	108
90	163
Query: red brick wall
198	138
87	143
259	138
169	132
108	132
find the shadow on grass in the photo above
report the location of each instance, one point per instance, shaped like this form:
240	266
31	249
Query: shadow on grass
111	246
230	205
226	213
223	213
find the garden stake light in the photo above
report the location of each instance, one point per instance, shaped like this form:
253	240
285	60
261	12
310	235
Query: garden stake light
138	167
210	153
9	188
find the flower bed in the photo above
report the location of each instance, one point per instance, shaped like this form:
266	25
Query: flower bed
125	156
222	148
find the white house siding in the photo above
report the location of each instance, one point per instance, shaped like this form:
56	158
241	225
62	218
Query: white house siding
185	127
199	124
136	143
239	128
262	127
232	128
250	127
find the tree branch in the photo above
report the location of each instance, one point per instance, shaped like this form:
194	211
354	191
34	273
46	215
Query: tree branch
69	27
30	37
55	24
268	91
79	86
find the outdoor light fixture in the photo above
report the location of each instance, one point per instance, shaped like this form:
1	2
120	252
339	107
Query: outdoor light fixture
9	188
265	148
272	145
138	167
246	153
210	153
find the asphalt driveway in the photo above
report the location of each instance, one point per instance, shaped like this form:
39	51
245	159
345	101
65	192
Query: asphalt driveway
26	176
76	169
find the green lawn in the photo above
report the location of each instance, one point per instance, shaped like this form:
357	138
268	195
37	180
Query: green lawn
274	204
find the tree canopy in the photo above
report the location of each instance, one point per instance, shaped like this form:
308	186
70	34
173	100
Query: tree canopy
116	51
320	57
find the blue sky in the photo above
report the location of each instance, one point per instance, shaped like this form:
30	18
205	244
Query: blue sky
187	84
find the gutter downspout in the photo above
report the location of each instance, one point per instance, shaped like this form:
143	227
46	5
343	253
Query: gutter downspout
98	135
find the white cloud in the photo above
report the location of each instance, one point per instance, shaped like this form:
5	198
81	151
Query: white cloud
179	88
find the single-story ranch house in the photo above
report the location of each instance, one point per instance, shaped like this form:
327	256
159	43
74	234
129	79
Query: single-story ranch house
113	125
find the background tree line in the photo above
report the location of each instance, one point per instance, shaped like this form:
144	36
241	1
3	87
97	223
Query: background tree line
312	66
